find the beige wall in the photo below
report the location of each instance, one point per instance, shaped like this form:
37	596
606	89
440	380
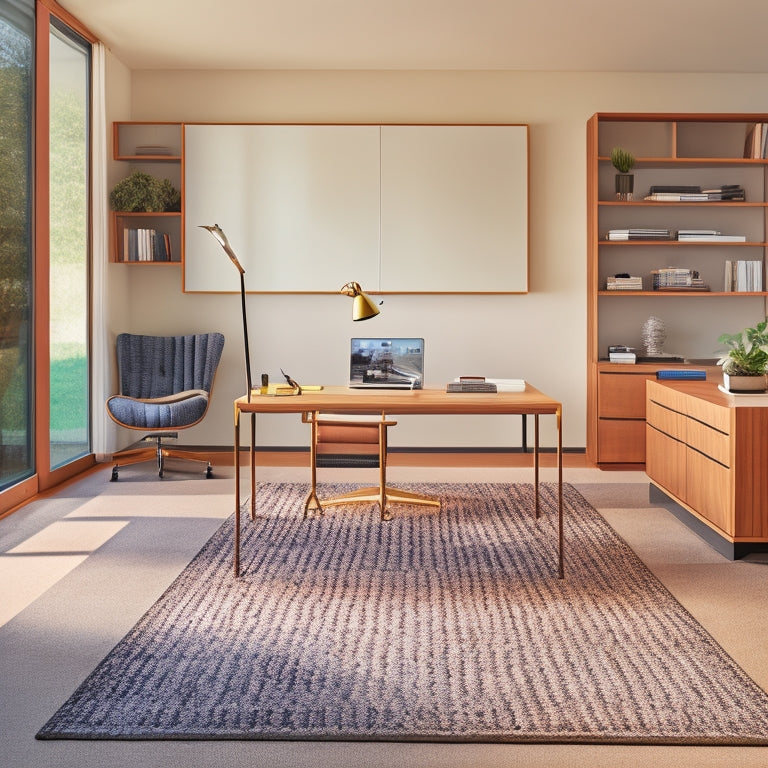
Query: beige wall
540	337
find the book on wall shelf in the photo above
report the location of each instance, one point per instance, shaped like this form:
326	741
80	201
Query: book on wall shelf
708	236
621	283
142	244
756	141
726	192
638	234
677	279
743	276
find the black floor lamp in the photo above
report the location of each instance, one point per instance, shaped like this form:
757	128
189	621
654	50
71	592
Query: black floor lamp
221	239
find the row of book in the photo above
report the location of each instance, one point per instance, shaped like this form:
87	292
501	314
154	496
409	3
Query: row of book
142	244
677	279
743	276
756	140
693	194
683	235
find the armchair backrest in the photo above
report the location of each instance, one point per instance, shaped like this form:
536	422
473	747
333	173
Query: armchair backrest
158	366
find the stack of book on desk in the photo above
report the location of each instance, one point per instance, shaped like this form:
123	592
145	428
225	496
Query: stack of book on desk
624	283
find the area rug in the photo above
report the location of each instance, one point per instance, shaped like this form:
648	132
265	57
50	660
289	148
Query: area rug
440	626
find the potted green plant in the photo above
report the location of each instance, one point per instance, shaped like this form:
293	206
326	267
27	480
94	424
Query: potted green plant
144	193
744	367
623	162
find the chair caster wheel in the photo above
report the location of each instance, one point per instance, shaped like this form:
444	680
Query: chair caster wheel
113	479
208	472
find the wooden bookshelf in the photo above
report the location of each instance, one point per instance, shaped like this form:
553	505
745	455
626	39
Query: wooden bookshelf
705	150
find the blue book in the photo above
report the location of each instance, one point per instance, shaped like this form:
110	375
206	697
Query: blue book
687	374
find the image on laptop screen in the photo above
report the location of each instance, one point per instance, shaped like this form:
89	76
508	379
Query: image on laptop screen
387	363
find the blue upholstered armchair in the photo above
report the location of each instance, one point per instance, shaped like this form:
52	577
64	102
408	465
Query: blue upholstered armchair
165	384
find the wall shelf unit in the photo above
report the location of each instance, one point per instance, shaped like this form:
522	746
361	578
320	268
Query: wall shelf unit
154	239
671	150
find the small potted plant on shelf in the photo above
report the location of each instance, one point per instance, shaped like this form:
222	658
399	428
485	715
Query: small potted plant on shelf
143	193
744	367
623	162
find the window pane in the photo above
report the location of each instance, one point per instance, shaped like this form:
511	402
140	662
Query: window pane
69	74
16	51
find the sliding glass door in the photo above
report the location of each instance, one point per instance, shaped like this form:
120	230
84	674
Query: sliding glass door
45	100
69	69
16	285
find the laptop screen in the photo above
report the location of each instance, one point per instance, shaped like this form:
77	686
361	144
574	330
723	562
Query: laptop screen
387	363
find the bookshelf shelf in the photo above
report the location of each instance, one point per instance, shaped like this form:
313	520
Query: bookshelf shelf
671	150
148	239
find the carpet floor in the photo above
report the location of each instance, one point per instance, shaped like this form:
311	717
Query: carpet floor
449	626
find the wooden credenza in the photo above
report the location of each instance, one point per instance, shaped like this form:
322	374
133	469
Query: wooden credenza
707	452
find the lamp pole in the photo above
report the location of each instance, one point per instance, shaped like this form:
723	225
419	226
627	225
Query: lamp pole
221	239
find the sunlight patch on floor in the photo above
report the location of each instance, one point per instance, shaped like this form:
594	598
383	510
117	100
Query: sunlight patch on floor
34	566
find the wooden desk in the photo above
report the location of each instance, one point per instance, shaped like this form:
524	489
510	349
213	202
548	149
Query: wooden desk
396	402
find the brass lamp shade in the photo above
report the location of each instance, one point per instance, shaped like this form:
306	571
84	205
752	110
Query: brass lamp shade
363	307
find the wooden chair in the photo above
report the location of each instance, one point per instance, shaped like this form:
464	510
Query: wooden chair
344	440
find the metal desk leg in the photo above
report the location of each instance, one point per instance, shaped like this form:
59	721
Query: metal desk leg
237	492
560	567
536	465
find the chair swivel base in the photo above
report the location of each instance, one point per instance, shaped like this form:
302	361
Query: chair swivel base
159	453
370	496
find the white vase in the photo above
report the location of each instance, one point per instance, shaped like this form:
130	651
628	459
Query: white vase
744	383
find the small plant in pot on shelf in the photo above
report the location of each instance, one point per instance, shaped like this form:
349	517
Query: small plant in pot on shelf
744	367
143	193
623	162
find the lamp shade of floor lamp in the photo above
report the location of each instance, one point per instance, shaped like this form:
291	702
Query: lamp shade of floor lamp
221	239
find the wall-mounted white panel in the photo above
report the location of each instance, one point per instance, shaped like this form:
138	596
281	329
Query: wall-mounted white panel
454	208
298	203
427	209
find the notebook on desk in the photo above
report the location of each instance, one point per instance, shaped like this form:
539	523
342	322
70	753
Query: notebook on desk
386	363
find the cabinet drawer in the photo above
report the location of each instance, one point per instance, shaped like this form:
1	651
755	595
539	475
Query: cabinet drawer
665	461
666	420
621	441
709	413
709	491
716	445
622	395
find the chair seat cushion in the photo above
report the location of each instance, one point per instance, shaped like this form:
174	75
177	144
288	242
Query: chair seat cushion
163	413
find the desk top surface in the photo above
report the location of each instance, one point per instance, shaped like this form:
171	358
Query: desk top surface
398	401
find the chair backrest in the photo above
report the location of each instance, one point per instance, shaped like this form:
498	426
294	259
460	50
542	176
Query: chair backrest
158	366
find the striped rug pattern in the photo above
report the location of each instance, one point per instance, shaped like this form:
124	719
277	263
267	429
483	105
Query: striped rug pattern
448	626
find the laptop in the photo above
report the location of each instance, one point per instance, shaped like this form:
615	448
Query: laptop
386	363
